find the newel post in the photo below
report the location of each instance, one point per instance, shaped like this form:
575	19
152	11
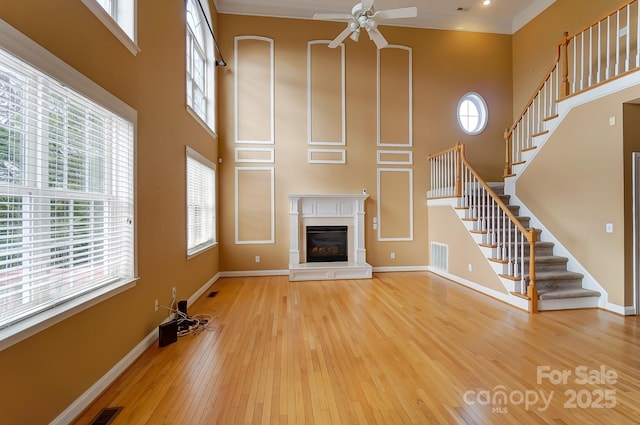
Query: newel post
564	55
507	153
459	154
532	290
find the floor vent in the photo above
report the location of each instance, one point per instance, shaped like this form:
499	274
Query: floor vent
106	416
440	256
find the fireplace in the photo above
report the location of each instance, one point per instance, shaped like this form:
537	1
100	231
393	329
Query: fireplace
342	253
326	244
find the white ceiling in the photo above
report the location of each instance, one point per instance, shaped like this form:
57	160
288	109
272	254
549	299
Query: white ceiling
502	16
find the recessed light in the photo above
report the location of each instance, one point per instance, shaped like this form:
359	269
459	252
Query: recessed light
486	2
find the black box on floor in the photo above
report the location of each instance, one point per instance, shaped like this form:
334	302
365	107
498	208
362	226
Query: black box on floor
167	333
182	307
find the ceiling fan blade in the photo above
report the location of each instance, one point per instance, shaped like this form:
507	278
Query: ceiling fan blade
367	4
377	38
333	16
403	12
340	38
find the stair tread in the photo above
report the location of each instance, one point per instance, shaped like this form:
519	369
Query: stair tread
560	274
566	293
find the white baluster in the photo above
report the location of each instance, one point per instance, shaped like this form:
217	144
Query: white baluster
617	66
608	70
638	35
628	53
589	80
598	73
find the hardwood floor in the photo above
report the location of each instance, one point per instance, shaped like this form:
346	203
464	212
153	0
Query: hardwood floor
401	348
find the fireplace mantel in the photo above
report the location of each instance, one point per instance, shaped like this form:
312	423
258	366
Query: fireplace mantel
328	210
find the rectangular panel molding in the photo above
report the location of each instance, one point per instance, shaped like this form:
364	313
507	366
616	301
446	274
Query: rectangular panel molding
326	156
391	157
259	155
395	96
326	95
254	205
254	82
395	204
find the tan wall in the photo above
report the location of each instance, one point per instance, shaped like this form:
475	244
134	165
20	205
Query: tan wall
53	368
446	65
631	131
446	227
577	183
534	45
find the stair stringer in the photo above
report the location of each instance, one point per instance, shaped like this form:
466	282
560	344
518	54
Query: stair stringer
588	281
565	106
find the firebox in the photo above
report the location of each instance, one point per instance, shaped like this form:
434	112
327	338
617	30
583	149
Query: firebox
326	244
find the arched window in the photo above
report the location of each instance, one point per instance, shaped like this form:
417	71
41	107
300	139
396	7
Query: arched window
200	64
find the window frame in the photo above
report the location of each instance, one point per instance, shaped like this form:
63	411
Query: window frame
195	249
483	113
208	118
123	25
20	46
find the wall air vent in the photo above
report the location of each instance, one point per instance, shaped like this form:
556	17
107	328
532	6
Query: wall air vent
440	256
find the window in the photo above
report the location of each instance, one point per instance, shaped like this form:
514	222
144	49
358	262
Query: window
200	64
201	202
472	113
66	192
119	16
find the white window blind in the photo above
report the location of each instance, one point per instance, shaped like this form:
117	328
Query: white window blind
201	207
66	193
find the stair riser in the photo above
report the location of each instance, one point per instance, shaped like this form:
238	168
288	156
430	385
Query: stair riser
487	210
542	251
555	267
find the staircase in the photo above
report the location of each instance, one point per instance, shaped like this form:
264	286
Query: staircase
557	287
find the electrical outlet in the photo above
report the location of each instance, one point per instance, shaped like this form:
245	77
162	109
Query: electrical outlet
393	255
470	267
174	293
257	258
156	305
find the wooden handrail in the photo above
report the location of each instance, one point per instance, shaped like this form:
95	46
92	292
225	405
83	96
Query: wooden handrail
535	94
446	151
529	233
562	62
605	16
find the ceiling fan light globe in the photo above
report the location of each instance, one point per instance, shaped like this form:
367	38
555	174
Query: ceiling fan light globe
355	36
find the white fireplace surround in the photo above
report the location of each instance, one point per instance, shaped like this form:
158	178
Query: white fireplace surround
328	210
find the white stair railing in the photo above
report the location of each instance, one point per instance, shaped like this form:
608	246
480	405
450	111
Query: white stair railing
512	244
603	50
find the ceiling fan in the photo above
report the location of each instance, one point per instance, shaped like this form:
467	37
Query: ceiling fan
363	15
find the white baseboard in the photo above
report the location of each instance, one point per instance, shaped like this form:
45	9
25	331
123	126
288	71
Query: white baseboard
622	310
502	296
250	273
401	269
82	402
